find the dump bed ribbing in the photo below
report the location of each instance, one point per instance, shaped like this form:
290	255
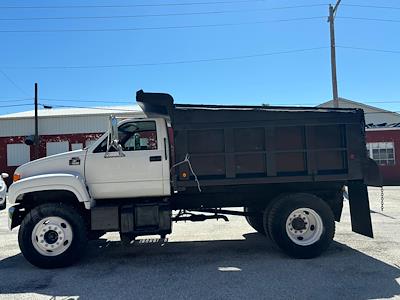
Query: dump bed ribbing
236	145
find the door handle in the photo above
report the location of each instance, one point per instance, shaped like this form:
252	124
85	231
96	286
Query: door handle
155	158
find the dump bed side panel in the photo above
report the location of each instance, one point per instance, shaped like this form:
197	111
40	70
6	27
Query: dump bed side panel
267	146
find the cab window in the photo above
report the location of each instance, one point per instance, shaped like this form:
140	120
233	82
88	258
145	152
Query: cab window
134	136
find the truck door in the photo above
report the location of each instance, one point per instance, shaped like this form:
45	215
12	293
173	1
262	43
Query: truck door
137	174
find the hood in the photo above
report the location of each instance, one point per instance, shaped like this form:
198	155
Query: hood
69	162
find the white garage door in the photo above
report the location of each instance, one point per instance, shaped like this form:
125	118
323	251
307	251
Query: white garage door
76	146
56	147
18	154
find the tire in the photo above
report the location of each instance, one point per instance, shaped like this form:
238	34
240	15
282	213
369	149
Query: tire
255	221
52	235
127	238
302	225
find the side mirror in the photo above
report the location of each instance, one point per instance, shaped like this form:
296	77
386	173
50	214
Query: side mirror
4	175
113	139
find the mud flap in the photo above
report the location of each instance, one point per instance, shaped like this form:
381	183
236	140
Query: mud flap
359	208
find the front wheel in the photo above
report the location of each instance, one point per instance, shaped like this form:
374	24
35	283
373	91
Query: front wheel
52	235
302	225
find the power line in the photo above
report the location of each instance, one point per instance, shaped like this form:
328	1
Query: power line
91	107
272	104
372	6
131	110
132	5
13	82
172	62
16	100
370	19
15	105
158	28
160	15
201	60
110	101
370	49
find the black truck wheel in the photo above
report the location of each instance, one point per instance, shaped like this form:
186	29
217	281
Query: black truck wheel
52	235
302	225
256	219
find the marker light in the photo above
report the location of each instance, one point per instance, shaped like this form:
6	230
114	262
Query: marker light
16	177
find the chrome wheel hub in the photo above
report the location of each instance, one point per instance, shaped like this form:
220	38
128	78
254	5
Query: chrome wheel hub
52	236
304	226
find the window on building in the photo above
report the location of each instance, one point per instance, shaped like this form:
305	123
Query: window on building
17	154
382	153
56	147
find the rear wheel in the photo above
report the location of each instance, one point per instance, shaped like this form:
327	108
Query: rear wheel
255	219
302	225
127	238
52	235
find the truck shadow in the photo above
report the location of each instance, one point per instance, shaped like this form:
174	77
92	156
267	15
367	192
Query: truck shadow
245	268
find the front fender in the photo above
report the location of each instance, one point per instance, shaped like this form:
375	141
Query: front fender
65	182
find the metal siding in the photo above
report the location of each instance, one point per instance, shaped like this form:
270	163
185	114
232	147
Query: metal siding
58	125
16	127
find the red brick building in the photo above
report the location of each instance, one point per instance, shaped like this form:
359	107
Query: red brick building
383	138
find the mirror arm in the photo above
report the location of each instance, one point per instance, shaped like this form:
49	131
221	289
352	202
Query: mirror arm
112	139
114	144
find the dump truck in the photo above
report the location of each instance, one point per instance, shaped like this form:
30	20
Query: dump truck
286	167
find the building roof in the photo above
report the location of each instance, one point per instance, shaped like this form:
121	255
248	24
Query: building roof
84	111
60	121
374	116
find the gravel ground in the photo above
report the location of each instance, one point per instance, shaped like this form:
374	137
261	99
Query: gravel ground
217	260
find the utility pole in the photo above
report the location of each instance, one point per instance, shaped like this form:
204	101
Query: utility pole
36	143
331	20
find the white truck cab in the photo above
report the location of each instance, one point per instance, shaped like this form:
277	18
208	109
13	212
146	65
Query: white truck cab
142	170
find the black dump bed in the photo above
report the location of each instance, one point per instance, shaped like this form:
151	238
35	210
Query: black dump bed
235	145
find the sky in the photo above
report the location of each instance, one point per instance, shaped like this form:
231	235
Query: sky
244	52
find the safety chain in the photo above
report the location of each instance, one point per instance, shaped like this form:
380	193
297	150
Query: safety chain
382	198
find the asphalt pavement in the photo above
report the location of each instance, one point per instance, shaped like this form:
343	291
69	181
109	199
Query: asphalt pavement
217	260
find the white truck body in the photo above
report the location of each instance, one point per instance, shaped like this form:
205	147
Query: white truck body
90	175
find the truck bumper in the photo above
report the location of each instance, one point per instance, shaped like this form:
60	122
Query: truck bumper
15	216
11	211
359	208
